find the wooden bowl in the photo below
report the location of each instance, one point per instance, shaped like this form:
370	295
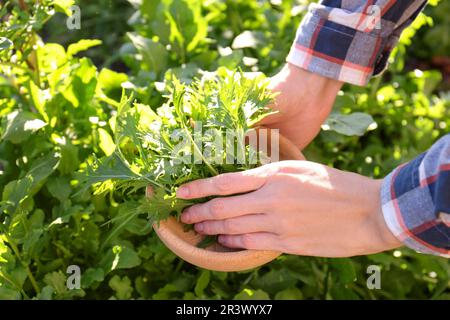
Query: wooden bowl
216	257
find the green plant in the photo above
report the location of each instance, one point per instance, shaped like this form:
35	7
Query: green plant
53	118
57	109
185	139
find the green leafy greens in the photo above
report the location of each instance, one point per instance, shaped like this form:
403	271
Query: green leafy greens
59	106
199	132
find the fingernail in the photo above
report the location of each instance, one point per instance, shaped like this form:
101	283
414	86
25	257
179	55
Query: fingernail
199	227
183	192
221	239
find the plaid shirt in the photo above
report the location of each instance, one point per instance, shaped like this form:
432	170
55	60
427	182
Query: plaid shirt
415	199
351	40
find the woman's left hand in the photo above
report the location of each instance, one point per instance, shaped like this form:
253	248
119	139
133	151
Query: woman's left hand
296	207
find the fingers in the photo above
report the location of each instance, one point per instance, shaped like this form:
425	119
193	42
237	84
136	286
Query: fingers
223	184
224	208
252	241
240	225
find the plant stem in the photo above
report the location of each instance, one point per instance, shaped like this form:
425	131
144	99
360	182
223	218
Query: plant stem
32	61
23	5
35	61
179	112
27	268
375	86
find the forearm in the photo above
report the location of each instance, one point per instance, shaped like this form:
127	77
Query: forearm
304	102
316	88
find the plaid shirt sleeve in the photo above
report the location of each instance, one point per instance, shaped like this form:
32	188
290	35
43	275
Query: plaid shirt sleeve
351	40
415	201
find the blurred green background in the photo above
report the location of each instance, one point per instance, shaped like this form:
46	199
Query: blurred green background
47	226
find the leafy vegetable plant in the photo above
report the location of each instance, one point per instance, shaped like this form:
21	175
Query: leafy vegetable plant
60	111
199	132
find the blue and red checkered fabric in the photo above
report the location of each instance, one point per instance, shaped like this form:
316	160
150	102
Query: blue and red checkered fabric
415	200
351	40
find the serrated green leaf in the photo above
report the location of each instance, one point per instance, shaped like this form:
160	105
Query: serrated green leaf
122	287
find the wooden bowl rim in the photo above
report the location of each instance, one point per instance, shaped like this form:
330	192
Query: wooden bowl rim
208	258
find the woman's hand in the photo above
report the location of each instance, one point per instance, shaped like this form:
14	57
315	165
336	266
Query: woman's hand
296	207
304	101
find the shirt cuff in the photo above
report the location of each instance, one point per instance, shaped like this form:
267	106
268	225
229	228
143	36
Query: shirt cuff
410	211
337	51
